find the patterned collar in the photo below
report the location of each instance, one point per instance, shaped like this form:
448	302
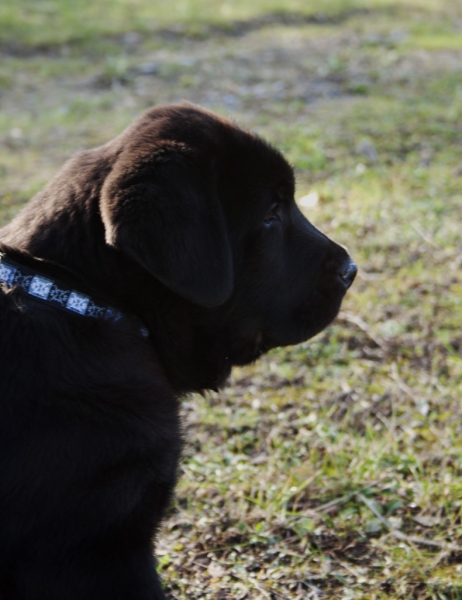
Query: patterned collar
58	294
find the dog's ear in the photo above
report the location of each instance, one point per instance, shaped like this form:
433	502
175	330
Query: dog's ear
164	213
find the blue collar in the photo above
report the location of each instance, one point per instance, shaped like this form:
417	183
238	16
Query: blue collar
58	294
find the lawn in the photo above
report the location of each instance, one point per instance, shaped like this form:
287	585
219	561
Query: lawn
332	469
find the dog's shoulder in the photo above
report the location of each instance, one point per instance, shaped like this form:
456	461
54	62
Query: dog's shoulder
57	358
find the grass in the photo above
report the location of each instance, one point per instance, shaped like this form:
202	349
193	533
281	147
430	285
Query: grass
52	22
332	469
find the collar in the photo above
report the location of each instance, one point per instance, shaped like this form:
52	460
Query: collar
60	295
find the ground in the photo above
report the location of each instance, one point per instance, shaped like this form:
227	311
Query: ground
332	469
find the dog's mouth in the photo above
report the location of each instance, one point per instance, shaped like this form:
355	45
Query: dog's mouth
299	325
314	320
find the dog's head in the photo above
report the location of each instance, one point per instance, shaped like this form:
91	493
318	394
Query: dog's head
208	210
190	222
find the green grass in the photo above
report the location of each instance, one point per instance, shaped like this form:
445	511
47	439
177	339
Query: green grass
56	21
333	467
51	22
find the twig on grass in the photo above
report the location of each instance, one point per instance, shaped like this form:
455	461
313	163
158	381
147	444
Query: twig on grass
315	591
355	320
410	539
342	499
348	568
415	225
441	556
413	539
372	508
401	384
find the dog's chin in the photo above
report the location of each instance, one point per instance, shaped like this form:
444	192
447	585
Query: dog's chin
249	350
254	348
304	326
218	381
311	323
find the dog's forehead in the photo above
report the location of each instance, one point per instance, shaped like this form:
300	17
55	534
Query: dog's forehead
254	166
249	173
183	122
213	135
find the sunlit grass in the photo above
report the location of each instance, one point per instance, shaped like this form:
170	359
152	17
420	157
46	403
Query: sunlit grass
50	22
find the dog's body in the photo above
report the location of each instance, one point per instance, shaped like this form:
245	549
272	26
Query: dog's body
188	223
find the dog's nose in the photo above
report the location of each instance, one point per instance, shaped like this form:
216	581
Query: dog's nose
347	272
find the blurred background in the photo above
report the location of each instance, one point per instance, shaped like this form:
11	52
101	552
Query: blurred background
332	469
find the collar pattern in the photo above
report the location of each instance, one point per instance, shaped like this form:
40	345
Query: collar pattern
58	294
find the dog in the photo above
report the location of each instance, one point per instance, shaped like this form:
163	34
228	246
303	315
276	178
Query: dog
145	269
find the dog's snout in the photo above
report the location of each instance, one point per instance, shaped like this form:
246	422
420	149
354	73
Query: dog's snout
347	272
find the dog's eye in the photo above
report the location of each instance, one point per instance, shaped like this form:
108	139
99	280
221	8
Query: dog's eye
273	214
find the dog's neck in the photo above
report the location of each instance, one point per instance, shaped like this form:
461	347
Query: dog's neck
68	236
41	287
62	225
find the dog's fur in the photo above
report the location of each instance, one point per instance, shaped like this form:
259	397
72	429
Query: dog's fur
189	223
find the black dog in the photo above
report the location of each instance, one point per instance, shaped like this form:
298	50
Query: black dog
145	269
